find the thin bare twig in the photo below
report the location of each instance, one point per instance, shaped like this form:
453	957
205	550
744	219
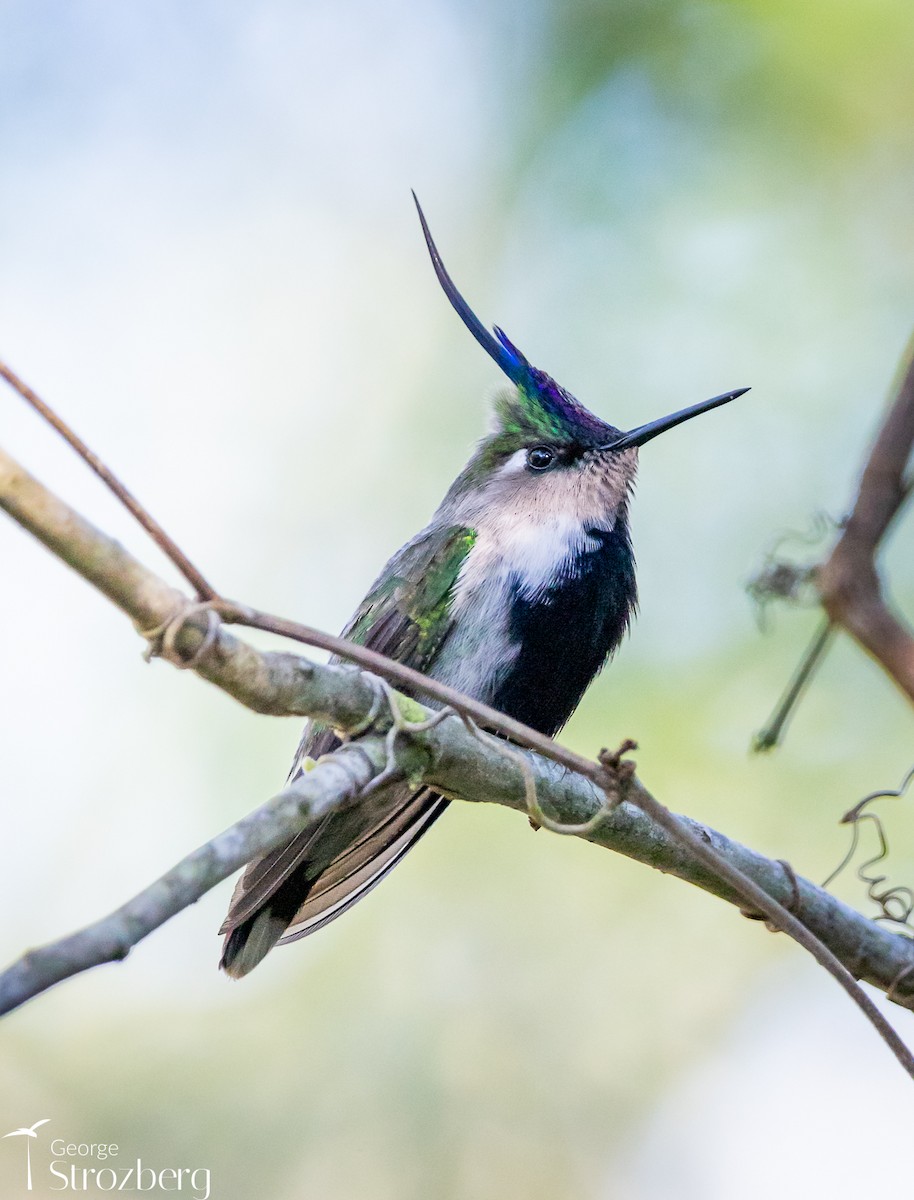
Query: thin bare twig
771	735
406	678
169	547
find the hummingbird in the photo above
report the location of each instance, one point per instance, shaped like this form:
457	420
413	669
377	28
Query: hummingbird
517	593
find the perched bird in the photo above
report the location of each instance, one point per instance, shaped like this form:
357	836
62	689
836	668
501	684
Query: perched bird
517	592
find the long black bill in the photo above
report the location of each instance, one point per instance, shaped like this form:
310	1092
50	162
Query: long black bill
644	433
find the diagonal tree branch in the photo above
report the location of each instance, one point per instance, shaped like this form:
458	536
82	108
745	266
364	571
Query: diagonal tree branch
848	582
456	762
330	785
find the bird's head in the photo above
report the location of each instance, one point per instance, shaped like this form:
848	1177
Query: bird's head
546	451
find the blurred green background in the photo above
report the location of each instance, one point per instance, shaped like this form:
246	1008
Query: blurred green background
211	265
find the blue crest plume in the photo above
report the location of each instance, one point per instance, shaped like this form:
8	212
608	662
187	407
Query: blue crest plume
507	355
544	405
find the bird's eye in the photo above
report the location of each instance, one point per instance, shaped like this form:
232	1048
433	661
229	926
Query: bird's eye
540	458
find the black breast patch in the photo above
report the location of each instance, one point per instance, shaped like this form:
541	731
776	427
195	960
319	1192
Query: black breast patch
567	632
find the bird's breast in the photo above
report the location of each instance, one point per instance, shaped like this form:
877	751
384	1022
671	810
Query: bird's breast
537	608
531	554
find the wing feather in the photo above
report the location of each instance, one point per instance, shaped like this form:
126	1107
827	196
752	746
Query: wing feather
372	861
301	886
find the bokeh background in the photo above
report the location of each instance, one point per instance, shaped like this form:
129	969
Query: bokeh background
210	263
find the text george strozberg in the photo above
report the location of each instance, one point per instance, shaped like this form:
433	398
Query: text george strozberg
71	1172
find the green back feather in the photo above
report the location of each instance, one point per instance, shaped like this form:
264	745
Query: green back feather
407	614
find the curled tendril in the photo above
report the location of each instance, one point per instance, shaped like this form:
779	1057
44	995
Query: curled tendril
895	901
778	578
384	694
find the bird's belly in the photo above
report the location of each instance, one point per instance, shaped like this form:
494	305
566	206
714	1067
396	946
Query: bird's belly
480	651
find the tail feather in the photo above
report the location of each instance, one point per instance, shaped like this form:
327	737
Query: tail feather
300	887
250	942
